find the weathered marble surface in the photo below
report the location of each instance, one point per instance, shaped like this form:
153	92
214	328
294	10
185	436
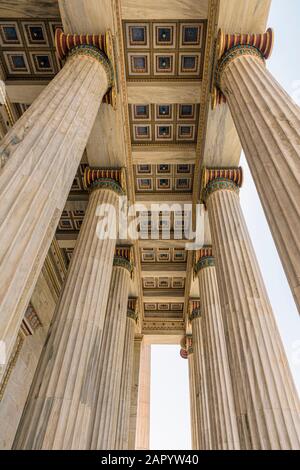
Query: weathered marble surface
61	400
164	92
203	416
222	144
122	437
268	124
193	406
266	400
134	391
224	429
143	410
39	158
106	396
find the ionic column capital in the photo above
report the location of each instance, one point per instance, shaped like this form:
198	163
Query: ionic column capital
186	344
123	258
233	46
132	312
105	178
195	311
96	46
214	179
204	259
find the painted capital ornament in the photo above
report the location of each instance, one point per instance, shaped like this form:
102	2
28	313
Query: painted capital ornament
233	46
132	309
124	258
204	258
97	46
105	178
215	179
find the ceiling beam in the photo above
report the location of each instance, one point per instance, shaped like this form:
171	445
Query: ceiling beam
164	92
162	243
169	10
163	273
155	156
161	298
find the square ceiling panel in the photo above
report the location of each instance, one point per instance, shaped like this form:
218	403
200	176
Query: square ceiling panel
164	178
27	49
158	124
167	49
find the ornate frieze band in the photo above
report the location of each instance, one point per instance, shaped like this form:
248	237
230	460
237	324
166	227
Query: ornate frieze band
232	46
204	258
124	258
97	46
105	178
195	310
215	179
132	309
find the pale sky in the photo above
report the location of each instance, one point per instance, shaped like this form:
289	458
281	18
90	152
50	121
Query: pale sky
170	419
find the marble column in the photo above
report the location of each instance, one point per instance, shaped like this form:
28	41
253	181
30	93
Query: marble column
135	390
142	441
107	392
220	393
60	404
122	437
268	124
39	158
193	405
203	421
266	401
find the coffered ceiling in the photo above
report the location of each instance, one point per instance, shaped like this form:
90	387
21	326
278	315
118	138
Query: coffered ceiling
27	49
168	50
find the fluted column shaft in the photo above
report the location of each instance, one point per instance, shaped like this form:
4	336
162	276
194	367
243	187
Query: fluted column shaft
268	123
108	388
142	441
122	438
135	391
39	158
266	401
193	405
60	404
220	400
203	421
